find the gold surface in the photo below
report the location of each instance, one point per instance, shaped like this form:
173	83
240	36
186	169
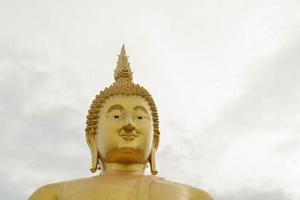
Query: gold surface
123	136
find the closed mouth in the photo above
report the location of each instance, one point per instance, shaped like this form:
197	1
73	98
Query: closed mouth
129	135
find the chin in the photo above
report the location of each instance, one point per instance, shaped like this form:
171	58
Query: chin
128	155
127	150
134	144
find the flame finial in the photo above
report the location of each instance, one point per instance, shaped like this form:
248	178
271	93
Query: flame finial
123	70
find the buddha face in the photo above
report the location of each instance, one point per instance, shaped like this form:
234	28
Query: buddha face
125	130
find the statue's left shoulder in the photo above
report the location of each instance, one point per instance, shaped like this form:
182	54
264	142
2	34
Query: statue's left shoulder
193	192
199	194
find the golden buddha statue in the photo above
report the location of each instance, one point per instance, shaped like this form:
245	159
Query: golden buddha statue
123	135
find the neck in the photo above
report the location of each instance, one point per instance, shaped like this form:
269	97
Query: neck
122	169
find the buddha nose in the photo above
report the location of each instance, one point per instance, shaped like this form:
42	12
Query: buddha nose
128	123
128	127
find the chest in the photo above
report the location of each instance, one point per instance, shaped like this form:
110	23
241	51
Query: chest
128	191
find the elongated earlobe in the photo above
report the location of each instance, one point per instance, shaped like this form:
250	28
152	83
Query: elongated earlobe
95	161
152	162
94	152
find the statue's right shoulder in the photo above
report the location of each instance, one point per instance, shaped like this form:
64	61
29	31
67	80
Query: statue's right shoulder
56	191
46	192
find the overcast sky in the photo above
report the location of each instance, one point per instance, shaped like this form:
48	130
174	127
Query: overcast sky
225	76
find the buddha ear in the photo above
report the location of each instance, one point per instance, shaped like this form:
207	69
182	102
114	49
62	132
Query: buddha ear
152	162
156	141
152	154
90	137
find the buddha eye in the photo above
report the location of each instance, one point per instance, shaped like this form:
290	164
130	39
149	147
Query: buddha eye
116	116
140	117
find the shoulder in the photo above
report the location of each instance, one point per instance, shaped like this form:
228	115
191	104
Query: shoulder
46	192
200	194
195	193
55	190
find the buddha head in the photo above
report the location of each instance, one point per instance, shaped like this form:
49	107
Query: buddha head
122	123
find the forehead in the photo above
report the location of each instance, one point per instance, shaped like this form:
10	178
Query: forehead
127	102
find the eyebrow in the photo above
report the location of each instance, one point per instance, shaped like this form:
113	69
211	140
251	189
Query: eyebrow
115	107
141	108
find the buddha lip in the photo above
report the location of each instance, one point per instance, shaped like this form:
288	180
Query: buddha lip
128	135
129	138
